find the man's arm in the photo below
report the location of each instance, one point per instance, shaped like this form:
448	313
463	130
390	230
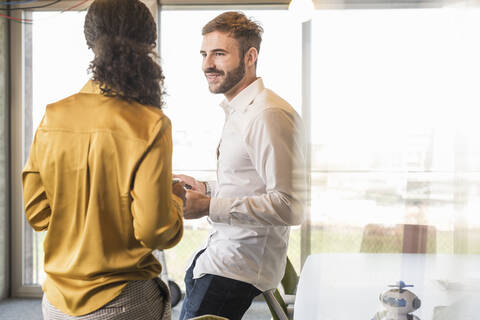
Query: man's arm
276	147
157	212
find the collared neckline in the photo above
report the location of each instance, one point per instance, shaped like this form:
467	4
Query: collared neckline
242	100
91	87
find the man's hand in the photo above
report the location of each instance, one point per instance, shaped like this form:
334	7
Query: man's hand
196	185
197	205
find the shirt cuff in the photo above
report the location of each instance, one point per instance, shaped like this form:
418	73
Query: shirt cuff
210	185
220	209
208	189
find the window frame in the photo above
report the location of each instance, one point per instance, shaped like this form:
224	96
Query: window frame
17	158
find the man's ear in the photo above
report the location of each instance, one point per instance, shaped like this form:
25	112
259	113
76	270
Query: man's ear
251	56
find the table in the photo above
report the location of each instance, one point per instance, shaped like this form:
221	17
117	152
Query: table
347	286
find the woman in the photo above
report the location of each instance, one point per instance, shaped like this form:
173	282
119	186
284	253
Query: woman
99	180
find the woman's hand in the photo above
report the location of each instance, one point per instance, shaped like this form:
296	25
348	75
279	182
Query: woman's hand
195	184
178	189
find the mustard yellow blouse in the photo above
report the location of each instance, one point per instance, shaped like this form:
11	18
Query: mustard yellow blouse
99	180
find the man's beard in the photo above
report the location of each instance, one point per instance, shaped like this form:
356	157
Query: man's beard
231	79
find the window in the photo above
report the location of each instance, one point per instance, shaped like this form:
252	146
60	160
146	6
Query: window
393	140
55	62
392	114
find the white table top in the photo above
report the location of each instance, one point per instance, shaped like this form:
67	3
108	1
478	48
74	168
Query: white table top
347	286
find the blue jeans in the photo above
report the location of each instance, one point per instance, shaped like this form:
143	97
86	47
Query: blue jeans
212	294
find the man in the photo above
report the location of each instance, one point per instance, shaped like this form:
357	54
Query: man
260	173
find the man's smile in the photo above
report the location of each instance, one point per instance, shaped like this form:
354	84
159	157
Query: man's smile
212	76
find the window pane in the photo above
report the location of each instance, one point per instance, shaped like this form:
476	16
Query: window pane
56	62
394	126
197	118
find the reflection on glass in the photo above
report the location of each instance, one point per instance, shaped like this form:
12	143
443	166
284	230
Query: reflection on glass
393	140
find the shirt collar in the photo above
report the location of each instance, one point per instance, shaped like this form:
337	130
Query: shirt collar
242	100
91	87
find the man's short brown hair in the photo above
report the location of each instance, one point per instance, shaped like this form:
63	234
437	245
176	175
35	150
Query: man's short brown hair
237	25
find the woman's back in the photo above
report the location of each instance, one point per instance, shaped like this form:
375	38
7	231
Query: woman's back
91	153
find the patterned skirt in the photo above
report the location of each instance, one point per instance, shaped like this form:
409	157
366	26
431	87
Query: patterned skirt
139	300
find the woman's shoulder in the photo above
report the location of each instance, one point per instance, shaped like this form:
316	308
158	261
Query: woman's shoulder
96	112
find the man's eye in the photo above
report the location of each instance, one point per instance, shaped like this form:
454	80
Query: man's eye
219	53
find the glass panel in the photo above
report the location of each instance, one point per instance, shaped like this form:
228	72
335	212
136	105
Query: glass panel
195	113
56	63
393	141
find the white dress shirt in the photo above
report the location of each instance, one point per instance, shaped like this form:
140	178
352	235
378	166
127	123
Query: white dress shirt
259	191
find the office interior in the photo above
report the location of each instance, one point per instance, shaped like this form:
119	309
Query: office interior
388	90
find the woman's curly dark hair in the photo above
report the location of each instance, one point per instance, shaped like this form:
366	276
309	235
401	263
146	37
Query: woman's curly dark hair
122	34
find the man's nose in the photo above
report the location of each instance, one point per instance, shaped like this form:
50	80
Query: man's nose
208	63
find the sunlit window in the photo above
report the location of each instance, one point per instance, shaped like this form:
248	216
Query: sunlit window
56	60
394	126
